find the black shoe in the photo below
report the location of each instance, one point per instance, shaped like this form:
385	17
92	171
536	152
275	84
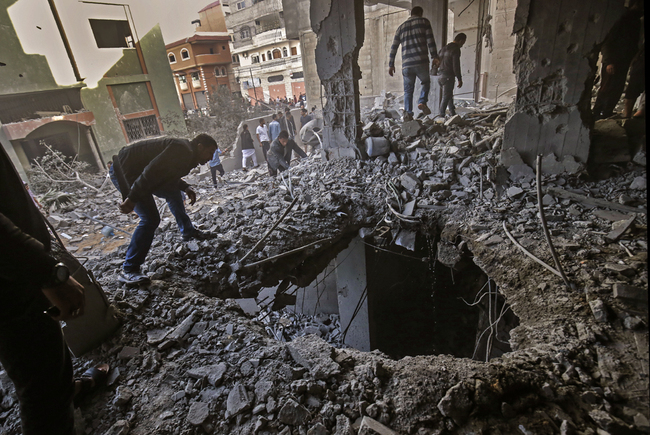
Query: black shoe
195	235
133	278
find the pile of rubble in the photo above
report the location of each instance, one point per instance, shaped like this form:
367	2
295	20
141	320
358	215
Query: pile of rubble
186	362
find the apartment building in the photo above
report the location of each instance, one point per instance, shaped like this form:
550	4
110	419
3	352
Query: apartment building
202	63
270	65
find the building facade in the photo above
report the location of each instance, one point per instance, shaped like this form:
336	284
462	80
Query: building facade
270	65
202	63
89	86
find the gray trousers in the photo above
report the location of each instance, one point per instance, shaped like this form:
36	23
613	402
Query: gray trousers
447	87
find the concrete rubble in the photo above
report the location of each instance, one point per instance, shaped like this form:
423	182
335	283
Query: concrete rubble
191	361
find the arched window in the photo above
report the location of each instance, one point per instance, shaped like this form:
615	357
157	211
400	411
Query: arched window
185	54
285	52
245	33
172	58
277	54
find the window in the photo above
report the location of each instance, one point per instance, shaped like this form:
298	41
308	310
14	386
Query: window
112	33
241	5
285	52
185	54
278	78
245	33
172	58
139	128
255	59
294	51
277	54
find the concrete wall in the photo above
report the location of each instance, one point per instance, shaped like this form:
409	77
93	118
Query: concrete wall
108	132
351	284
555	58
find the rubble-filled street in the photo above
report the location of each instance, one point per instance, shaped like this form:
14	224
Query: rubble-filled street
191	358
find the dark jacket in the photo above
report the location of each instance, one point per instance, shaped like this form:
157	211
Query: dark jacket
450	61
246	140
153	164
280	156
622	41
25	262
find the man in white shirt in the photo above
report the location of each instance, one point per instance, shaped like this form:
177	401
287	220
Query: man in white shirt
263	136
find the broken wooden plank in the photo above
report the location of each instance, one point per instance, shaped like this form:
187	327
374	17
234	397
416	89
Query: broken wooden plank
593	201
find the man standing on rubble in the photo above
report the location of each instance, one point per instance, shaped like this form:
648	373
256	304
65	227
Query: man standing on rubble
274	127
155	167
262	132
281	152
449	71
414	34
618	50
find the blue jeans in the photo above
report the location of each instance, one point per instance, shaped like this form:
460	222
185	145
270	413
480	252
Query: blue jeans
409	74
147	210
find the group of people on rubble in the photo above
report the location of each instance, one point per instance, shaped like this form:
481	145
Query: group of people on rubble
33	281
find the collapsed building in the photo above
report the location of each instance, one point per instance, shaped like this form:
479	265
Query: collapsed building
414	291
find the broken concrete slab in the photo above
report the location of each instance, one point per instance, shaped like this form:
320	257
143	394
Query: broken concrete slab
624	291
238	400
314	354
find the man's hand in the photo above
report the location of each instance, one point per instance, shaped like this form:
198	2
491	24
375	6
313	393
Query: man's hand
610	69
391	71
191	195
69	298
460	83
127	206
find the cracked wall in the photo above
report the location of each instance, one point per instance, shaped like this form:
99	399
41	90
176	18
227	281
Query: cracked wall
340	29
554	62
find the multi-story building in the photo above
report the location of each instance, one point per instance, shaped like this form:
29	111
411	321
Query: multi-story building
86	84
202	63
270	65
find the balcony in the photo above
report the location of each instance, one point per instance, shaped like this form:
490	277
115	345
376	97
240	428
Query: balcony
252	13
260	40
211	59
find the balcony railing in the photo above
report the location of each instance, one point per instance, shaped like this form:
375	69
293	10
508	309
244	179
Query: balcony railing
252	13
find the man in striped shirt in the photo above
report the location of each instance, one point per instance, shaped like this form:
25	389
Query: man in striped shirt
415	35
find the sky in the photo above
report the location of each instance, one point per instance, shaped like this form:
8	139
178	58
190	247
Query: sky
36	29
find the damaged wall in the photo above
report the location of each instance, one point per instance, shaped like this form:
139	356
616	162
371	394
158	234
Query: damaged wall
554	61
340	29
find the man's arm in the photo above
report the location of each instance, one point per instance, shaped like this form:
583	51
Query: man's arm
297	149
456	63
166	168
22	257
431	42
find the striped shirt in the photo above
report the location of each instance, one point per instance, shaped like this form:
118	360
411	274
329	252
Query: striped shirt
415	34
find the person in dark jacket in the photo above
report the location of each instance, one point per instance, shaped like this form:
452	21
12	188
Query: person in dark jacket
155	167
291	124
449	71
32	349
247	147
281	152
304	117
618	50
